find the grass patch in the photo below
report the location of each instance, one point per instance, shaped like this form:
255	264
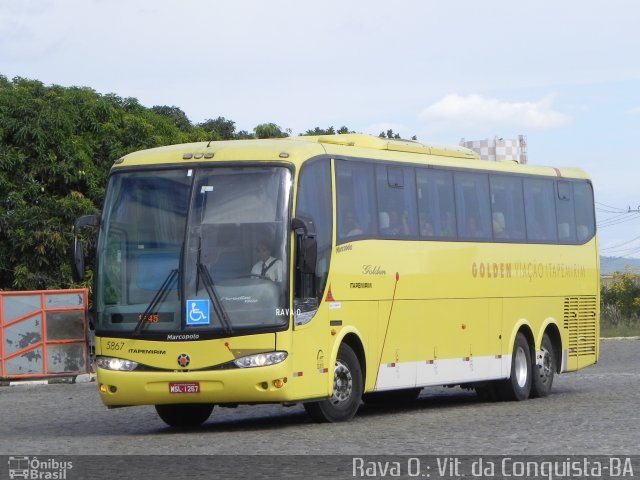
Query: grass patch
609	331
614	324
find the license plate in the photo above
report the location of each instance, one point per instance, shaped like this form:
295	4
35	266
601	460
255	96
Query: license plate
181	387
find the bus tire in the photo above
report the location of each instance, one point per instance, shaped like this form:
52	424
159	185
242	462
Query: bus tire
543	373
518	385
344	402
184	415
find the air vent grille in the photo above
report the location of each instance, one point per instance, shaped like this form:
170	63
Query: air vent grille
580	318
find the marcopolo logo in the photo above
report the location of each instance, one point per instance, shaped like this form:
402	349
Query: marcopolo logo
38	468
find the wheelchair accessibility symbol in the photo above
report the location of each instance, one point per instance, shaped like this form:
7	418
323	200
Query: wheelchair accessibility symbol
198	312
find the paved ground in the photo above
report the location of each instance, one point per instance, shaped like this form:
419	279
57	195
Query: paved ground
594	411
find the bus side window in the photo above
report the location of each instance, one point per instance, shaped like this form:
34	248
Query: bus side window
507	207
472	206
564	210
396	201
585	215
436	204
357	217
540	210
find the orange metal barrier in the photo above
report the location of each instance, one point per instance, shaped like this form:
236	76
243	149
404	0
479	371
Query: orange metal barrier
43	333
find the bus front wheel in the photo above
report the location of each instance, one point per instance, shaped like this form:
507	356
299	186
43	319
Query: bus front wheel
518	385
344	402
184	415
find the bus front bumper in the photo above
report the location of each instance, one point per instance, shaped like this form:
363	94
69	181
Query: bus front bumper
241	385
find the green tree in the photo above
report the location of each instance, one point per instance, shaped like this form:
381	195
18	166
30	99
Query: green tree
270	130
390	134
175	115
327	131
244	135
57	145
623	293
320	131
219	128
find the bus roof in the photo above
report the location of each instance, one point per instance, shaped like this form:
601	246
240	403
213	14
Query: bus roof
298	149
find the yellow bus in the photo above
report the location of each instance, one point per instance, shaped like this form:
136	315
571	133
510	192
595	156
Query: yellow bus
336	269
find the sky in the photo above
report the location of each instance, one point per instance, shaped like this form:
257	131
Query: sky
564	73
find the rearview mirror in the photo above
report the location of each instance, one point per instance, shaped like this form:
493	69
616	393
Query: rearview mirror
307	251
77	260
77	250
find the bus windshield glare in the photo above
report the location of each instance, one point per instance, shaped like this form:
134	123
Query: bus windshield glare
194	251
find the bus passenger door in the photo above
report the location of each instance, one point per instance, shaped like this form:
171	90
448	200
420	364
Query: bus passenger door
310	355
313	233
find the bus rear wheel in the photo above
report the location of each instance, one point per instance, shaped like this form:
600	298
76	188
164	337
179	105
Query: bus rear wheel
518	385
544	370
184	415
344	402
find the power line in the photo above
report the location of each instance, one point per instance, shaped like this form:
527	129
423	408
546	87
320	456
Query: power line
615	247
618	216
617	220
615	217
617	209
624	251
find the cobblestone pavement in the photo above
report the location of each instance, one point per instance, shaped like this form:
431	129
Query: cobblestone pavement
594	411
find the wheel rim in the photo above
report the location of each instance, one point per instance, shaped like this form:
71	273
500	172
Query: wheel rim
342	383
546	368
521	370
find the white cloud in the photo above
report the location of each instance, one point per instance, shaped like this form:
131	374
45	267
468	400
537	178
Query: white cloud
481	113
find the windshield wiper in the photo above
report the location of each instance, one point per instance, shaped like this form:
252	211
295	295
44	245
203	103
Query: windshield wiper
215	299
158	298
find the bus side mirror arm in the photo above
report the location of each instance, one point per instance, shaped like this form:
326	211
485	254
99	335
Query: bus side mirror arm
305	224
85	221
308	245
77	250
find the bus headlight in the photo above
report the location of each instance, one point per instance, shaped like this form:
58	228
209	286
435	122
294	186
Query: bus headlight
260	359
119	364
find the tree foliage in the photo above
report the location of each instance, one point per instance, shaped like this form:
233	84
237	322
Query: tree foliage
623	294
219	128
57	145
327	131
175	115
390	134
270	130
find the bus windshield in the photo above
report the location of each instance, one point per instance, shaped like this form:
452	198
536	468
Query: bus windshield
194	250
